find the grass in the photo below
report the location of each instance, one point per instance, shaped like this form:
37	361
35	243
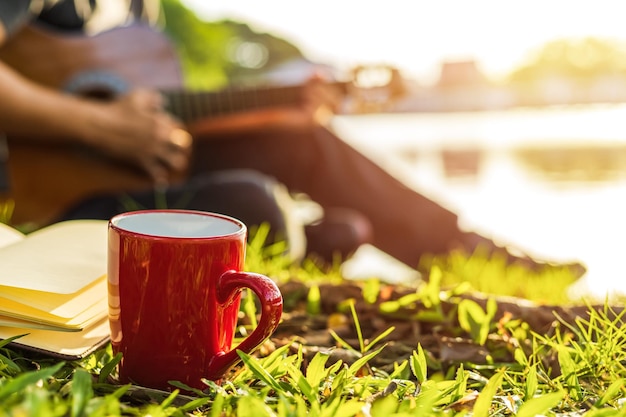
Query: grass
576	368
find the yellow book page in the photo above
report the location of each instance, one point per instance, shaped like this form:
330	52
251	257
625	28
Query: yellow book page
9	235
62	258
93	312
28	324
70	346
61	305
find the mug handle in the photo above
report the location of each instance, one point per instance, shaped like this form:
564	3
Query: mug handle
271	310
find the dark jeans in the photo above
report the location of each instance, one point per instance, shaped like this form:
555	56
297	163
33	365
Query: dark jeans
247	195
316	162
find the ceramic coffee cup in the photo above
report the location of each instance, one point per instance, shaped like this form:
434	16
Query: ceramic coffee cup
174	279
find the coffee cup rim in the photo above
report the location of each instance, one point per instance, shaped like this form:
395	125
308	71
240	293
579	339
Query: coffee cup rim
115	220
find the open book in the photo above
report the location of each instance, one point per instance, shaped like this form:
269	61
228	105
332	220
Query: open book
53	287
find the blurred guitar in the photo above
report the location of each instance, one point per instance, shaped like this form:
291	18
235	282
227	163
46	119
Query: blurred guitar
47	180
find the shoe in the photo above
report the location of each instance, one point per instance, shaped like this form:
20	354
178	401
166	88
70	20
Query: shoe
337	235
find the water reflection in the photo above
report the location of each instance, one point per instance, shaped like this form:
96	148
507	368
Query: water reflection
556	205
560	164
525	185
575	164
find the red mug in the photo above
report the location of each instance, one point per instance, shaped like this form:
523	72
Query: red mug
174	279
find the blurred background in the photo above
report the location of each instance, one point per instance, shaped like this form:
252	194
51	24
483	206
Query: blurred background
511	113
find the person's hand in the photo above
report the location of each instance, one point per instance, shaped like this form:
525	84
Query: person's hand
135	128
321	99
317	101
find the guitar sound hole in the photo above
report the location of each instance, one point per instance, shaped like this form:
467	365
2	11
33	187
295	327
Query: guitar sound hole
98	94
96	84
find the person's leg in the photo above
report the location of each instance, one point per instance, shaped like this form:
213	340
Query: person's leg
405	224
253	198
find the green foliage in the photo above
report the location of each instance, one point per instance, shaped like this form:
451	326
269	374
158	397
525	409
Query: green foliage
590	358
313	300
576	369
213	54
474	320
428	294
587	377
200	45
492	274
6	211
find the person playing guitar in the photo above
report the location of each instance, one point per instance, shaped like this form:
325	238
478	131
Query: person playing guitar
286	142
144	148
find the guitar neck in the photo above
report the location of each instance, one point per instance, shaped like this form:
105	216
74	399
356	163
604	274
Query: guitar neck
190	106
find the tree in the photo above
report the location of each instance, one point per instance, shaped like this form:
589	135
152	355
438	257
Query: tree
214	54
579	60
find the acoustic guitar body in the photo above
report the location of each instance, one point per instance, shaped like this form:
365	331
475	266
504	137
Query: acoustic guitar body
45	181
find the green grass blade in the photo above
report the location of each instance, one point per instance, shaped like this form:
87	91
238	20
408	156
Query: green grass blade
170	399
249	406
568	370
309	391
340	407
418	364
612	391
29	378
8	366
357	325
109	367
531	383
339	340
82	391
461	382
316	370
256	368
359	363
485	398
379	338
540	405
6	341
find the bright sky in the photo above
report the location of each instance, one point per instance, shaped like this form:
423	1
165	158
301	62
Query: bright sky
416	35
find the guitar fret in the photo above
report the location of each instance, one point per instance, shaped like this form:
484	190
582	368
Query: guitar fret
220	101
195	111
230	98
188	107
180	105
203	107
170	103
255	99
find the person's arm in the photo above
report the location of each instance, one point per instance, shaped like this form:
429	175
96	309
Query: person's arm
132	128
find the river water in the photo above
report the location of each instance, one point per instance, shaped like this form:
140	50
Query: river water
549	181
